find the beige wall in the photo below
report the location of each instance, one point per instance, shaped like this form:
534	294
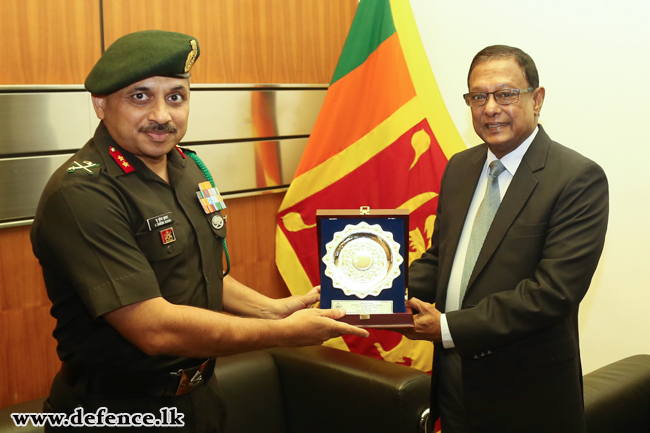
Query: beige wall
592	58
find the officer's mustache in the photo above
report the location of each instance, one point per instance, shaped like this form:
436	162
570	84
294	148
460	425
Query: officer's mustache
157	127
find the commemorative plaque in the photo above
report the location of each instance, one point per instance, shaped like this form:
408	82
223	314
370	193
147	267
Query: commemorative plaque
363	265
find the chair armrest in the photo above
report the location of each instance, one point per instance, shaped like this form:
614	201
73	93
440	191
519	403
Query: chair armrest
250	386
326	390
617	396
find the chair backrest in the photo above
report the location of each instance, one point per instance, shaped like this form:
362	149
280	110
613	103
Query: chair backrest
327	390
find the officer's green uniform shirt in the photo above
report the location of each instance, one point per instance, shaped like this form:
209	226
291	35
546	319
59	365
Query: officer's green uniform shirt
101	241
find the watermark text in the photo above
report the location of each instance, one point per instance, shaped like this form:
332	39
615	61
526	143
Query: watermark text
169	417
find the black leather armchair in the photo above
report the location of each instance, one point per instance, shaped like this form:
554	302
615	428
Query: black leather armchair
319	389
617	397
310	389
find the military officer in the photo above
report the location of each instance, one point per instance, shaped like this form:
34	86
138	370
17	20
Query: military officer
132	256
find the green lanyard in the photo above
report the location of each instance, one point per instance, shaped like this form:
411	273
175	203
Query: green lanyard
208	177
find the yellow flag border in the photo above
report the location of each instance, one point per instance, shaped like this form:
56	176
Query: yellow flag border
426	87
338	166
289	265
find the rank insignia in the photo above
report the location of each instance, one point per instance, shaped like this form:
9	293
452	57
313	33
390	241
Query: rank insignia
167	236
121	160
86	166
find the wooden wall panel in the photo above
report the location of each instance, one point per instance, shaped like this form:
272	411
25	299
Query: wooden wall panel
48	42
29	360
251	243
246	41
20	273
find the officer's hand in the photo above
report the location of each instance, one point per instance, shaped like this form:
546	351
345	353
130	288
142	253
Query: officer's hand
314	326
285	307
427	322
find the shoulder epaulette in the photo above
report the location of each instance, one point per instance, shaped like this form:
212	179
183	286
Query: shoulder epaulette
121	160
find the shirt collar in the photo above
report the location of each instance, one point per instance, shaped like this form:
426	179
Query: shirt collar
512	160
103	141
175	165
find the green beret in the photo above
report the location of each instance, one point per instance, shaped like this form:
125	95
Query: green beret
141	55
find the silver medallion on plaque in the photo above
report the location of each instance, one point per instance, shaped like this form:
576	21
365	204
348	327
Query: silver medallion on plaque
362	260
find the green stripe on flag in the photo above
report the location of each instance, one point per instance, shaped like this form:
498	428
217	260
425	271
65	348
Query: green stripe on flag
372	25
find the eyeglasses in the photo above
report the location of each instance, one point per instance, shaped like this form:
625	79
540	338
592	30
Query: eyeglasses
503	96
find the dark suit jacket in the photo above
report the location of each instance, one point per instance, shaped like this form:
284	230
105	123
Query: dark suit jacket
517	331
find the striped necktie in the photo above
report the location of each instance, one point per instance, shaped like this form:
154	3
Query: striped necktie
482	224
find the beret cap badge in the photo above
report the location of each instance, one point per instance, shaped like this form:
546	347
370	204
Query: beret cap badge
191	57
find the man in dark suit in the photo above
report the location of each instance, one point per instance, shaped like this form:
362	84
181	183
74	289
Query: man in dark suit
519	231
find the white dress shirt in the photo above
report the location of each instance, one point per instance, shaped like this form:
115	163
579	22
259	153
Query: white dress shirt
511	162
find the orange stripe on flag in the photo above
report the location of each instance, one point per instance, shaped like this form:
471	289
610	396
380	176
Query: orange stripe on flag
359	102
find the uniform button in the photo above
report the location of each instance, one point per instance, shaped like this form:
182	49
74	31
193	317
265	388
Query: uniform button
169	249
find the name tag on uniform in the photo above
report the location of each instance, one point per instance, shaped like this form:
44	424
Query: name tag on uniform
160	220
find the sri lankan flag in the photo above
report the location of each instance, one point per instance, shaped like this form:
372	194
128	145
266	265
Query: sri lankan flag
382	139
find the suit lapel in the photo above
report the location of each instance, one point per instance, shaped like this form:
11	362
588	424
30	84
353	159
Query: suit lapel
521	187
